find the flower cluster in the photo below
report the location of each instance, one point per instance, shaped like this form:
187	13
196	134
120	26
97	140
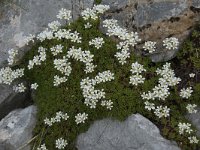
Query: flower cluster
161	111
34	86
97	42
108	104
94	12
89	93
136	78
193	139
191	75
149	106
29	38
171	43
149	46
58	80
83	56
61	143
184	127
80	118
87	25
191	108
54	26
59	115
19	88
7	75
186	93
64	14
167	79
38	59
63	66
127	39
12	54
42	147
46	34
56	49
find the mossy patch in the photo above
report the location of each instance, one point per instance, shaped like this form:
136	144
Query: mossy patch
68	96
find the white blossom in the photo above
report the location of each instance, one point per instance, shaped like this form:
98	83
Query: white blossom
34	86
191	75
149	106
63	66
61	143
186	93
137	68
193	140
108	104
149	46
191	108
29	38
136	79
19	88
97	42
54	25
161	111
87	25
184	127
171	43
81	117
58	80
12	54
64	14
59	115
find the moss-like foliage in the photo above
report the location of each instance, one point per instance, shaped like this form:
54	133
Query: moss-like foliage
68	96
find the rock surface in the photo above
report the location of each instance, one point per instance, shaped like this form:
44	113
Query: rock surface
16	128
136	133
155	20
18	19
195	119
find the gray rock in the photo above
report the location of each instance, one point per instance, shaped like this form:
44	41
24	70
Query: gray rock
136	133
16	128
195	119
9	100
20	18
147	14
196	3
155	20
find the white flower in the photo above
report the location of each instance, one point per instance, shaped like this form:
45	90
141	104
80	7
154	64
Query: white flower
64	14
191	108
136	79
184	127
42	147
54	25
149	46
58	80
46	34
34	86
137	68
12	54
63	66
19	88
48	122
149	106
193	139
97	42
56	49
87	25
171	43
161	111
29	38
7	75
186	93
80	118
108	104
61	143
122	56
192	75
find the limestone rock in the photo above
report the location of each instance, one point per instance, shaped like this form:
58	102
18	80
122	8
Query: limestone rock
19	18
155	20
16	128
136	133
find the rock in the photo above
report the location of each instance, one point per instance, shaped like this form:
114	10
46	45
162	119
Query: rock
16	128
155	20
136	133
9	100
20	18
195	119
